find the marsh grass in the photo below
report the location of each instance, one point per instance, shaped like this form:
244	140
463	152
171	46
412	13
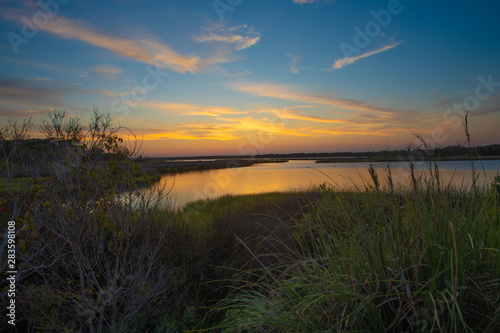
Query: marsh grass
98	252
419	258
385	259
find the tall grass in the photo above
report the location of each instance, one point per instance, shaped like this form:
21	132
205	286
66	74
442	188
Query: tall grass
97	252
419	259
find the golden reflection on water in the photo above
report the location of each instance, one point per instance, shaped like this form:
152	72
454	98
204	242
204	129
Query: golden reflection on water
303	175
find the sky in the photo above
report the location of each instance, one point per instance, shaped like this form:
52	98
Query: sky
228	77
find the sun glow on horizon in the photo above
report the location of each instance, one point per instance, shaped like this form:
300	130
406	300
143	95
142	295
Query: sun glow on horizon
295	76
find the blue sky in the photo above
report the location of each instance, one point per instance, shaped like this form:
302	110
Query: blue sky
237	76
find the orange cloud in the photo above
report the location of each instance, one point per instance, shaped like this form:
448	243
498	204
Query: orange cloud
102	69
238	128
317	119
191	109
240	42
226	123
147	51
181	135
284	91
350	60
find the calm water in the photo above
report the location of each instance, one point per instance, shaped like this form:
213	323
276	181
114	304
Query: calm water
271	177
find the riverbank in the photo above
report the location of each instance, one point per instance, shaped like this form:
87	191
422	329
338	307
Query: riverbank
449	153
382	159
162	166
406	259
323	260
95	251
155	168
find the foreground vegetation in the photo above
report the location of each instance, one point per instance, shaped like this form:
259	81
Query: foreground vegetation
98	253
375	261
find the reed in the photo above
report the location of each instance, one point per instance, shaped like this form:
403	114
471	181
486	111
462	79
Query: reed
98	252
379	261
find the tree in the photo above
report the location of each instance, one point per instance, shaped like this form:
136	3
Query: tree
92	246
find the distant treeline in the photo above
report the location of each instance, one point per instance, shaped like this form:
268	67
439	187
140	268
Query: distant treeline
490	150
449	151
42	146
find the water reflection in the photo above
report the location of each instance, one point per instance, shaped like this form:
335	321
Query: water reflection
307	174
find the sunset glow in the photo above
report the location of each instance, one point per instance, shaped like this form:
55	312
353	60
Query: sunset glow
248	77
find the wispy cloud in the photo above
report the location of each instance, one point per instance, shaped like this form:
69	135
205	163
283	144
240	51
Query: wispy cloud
223	128
326	132
284	91
350	60
241	36
193	132
218	112
27	93
191	109
37	95
108	72
301	2
239	128
293	64
225	123
103	69
147	51
316	119
23	113
290	113
491	106
191	122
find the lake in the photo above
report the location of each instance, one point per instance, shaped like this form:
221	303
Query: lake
306	174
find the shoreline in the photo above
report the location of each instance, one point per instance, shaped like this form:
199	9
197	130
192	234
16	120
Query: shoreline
383	159
157	167
161	167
